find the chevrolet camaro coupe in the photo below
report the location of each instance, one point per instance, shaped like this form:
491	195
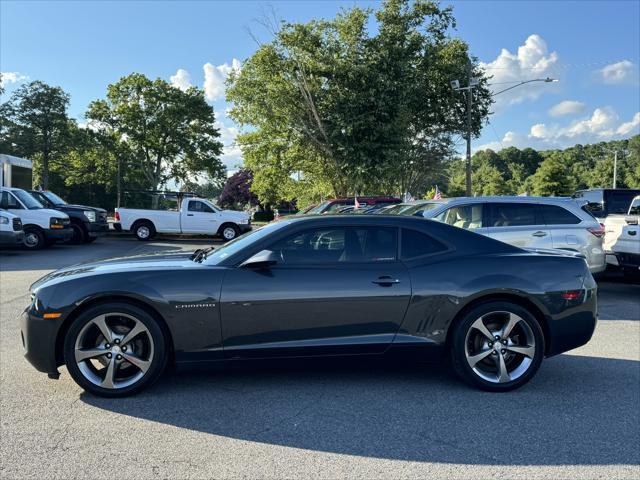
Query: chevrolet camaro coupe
314	286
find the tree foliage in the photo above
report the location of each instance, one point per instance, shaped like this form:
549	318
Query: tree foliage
236	192
171	132
351	112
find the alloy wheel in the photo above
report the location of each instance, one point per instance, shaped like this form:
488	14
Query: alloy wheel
229	233
114	350
143	231
500	347
31	239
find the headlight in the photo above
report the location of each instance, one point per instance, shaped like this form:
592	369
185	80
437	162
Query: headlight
56	222
91	216
4	221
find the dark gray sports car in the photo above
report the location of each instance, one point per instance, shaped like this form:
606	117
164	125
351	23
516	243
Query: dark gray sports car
314	286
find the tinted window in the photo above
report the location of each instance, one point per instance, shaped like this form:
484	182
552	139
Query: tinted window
554	215
196	206
618	201
338	244
463	216
512	214
8	201
635	207
416	244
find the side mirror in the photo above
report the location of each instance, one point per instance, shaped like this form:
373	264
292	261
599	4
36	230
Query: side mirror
262	259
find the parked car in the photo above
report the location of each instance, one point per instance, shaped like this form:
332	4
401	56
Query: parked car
526	222
196	216
332	206
622	240
314	286
87	223
602	202
11	233
42	226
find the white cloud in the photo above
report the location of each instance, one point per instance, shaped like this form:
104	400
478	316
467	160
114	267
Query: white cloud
214	78
232	154
603	125
532	60
620	72
181	79
567	107
11	77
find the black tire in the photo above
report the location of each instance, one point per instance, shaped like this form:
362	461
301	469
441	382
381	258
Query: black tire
226	229
157	360
34	238
464	335
144	230
79	235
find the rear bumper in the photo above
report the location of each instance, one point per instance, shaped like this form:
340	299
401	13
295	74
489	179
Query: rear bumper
39	341
628	260
10	239
53	235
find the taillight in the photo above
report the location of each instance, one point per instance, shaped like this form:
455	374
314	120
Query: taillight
571	294
598	232
117	217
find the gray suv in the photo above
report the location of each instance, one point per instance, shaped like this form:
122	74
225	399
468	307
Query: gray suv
527	222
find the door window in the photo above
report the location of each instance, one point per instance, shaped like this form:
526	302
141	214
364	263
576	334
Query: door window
512	214
463	216
555	215
8	201
338	244
197	206
417	244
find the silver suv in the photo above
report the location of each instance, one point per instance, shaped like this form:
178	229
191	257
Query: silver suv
527	222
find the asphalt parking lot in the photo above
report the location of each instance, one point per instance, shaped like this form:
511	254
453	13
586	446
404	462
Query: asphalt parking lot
578	418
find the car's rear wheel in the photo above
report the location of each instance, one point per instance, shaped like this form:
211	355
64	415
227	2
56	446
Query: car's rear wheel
144	231
497	346
114	350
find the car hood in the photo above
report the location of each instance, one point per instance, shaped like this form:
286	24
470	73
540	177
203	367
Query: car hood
81	208
135	263
236	214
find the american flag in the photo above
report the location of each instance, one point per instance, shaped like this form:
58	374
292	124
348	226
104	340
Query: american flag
356	204
437	195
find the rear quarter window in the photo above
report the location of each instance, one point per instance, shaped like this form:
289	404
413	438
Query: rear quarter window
556	215
417	244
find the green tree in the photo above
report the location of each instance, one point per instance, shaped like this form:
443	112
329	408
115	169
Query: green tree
355	112
553	177
35	125
171	133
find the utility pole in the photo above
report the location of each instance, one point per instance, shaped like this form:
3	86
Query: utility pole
615	168
469	107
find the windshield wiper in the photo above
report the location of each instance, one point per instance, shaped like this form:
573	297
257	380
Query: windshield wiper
200	254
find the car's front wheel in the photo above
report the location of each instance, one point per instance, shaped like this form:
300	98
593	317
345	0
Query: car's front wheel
115	350
497	346
229	231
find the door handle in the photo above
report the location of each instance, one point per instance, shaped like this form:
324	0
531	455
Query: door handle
386	281
539	233
189	214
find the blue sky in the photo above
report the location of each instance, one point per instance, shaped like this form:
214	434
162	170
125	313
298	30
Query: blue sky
591	47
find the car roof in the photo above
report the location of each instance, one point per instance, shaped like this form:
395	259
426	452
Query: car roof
510	199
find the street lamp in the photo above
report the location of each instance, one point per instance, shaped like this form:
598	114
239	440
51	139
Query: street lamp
472	82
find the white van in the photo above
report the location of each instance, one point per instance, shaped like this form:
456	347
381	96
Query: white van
42	226
11	233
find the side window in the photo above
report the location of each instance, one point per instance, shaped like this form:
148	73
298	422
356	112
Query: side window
416	244
554	215
635	207
463	216
197	206
8	201
512	214
338	244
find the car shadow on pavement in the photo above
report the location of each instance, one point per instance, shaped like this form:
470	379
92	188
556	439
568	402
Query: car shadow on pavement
577	410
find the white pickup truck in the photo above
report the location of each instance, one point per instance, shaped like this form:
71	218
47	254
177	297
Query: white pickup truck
622	239
196	216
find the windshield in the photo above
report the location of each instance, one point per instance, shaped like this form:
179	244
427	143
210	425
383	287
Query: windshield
27	200
53	198
418	209
234	246
319	208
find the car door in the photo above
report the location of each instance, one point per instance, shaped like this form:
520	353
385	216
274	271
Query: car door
200	217
336	290
518	224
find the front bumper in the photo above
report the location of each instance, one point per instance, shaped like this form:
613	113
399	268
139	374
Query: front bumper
11	239
95	229
39	341
58	235
245	227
